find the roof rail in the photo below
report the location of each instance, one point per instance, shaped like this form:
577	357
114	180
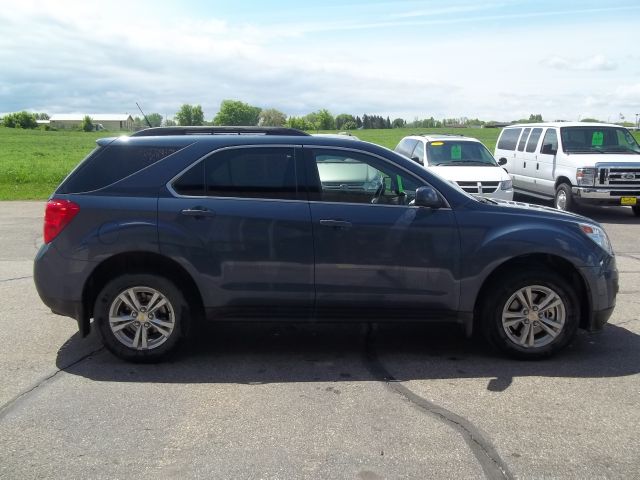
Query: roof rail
164	131
440	135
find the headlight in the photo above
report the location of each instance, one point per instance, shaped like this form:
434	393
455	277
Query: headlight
598	235
586	176
506	185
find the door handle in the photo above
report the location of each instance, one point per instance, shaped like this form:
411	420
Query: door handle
198	212
335	223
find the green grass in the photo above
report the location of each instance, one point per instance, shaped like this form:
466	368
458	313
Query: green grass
34	162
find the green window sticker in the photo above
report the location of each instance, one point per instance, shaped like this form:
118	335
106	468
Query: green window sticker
400	187
597	139
456	152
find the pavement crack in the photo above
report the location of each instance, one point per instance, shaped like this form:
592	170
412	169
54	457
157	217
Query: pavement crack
16	278
493	466
6	408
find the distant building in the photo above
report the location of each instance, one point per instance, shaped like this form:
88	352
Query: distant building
109	121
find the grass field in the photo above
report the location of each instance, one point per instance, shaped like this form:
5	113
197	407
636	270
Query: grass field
34	162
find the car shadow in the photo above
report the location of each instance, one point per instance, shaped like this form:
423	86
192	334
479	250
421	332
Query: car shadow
262	353
599	213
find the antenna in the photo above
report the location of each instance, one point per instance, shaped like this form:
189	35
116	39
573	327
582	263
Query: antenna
145	117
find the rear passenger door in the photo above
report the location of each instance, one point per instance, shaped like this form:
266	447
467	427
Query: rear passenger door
238	220
530	159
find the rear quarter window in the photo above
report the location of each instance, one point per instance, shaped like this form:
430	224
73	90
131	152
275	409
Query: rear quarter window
509	138
111	164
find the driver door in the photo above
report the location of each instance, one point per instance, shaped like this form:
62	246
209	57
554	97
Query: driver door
377	256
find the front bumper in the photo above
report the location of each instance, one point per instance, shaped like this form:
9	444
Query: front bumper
605	196
602	288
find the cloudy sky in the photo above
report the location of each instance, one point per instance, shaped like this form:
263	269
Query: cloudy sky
498	60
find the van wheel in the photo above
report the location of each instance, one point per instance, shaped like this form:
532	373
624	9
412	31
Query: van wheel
141	317
531	314
564	198
636	210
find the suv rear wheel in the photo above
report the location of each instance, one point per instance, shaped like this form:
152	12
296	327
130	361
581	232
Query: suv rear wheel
140	317
531	314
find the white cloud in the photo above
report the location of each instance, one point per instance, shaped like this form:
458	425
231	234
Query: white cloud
598	62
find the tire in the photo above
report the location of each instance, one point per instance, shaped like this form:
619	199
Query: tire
506	320
564	198
636	210
151	313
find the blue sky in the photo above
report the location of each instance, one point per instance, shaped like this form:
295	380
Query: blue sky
498	60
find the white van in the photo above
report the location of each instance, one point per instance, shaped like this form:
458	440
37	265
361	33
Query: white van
572	162
462	160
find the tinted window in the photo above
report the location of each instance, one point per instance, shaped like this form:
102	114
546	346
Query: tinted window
418	153
191	182
406	146
523	139
351	177
598	139
551	138
533	140
509	138
110	164
252	173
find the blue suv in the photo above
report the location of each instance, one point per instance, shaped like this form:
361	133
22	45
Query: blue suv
172	226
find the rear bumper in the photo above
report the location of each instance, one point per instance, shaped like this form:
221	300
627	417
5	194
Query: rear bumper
60	282
604	196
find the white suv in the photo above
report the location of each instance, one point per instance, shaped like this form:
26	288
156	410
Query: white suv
462	160
573	163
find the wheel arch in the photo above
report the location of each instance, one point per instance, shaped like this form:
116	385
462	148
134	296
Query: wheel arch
553	263
139	262
562	179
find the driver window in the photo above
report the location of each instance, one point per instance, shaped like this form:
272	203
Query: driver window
419	153
350	177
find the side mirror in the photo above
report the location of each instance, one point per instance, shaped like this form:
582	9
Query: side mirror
427	197
417	160
548	149
502	161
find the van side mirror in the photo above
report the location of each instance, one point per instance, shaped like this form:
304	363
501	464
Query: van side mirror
427	197
548	149
416	159
502	161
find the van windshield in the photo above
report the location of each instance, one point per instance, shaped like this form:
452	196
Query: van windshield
596	139
459	153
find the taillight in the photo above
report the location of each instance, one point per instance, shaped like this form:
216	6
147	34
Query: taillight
57	215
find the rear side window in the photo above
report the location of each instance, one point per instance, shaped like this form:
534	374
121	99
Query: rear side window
523	139
509	138
406	146
111	164
268	172
533	140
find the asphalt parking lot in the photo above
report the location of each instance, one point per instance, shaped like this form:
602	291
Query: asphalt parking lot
302	401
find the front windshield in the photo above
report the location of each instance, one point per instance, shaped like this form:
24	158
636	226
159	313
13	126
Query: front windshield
596	139
459	153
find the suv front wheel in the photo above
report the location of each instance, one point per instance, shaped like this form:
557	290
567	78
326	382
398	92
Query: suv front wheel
564	198
140	317
531	314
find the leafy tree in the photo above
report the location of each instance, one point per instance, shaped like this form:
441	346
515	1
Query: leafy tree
20	120
169	122
326	120
155	119
342	119
535	118
272	118
350	125
591	120
398	123
42	116
190	115
235	112
299	122
358	122
87	124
